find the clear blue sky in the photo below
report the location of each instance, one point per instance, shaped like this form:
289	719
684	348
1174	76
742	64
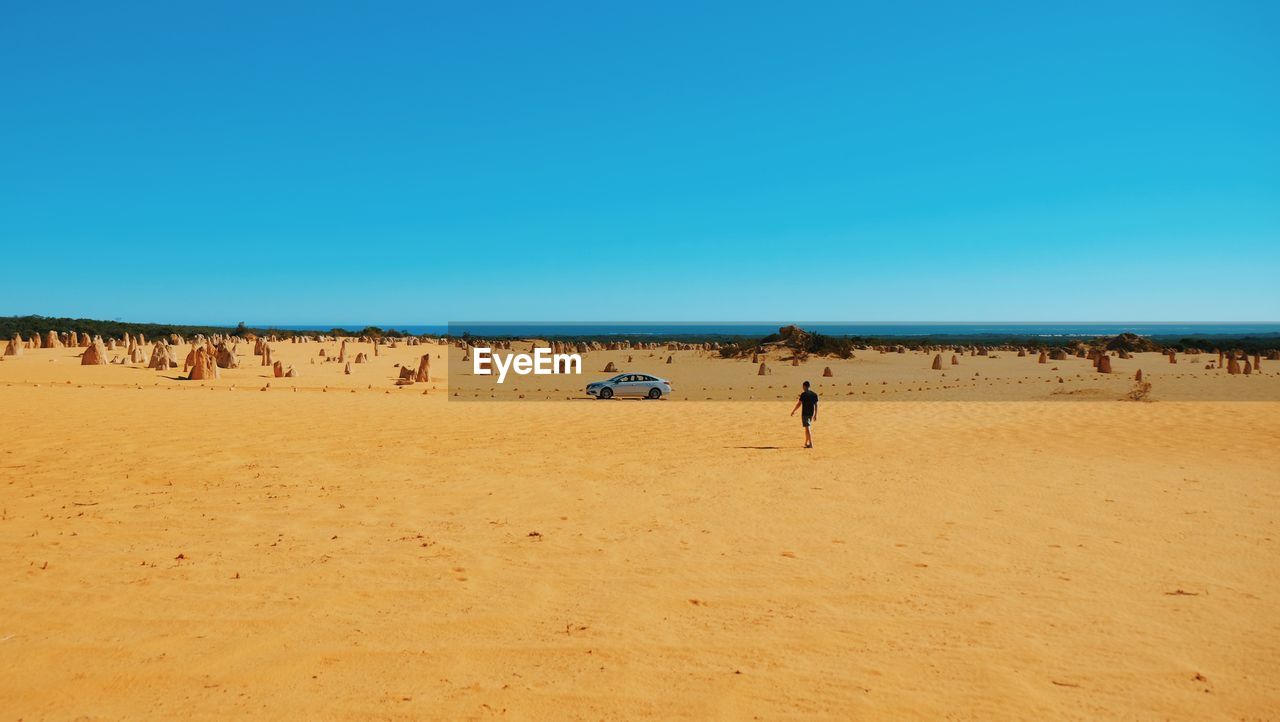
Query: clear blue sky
418	162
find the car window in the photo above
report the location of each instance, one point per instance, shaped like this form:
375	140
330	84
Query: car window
645	378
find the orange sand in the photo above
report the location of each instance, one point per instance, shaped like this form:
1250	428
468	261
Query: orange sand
174	550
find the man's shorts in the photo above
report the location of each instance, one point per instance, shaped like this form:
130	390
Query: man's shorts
806	421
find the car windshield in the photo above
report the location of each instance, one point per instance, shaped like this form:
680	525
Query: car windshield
619	378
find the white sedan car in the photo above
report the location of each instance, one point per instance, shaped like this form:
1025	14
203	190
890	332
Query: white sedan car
641	386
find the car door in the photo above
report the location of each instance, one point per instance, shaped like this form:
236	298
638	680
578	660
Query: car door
627	387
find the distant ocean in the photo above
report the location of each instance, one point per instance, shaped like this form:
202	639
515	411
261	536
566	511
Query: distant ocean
756	329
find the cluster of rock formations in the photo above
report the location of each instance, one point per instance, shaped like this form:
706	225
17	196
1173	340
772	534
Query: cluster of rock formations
70	339
207	355
95	353
203	365
1101	355
162	357
422	374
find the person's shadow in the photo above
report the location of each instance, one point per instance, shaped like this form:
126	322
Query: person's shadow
774	448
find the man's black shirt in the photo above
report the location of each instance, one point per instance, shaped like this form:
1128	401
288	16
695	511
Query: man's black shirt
808	403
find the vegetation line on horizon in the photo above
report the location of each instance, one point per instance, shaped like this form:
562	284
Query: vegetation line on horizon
816	344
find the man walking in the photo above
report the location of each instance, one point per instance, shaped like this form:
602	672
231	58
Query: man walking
808	406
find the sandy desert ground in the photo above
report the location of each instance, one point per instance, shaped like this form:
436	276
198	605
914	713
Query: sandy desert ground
354	550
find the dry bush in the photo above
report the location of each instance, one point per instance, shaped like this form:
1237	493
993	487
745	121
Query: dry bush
1140	391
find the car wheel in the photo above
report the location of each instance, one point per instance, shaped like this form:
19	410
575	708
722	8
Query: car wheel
655	393
606	393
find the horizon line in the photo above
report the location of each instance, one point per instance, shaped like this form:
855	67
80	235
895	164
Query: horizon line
342	324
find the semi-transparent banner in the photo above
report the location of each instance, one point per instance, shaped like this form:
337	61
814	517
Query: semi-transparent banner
670	362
